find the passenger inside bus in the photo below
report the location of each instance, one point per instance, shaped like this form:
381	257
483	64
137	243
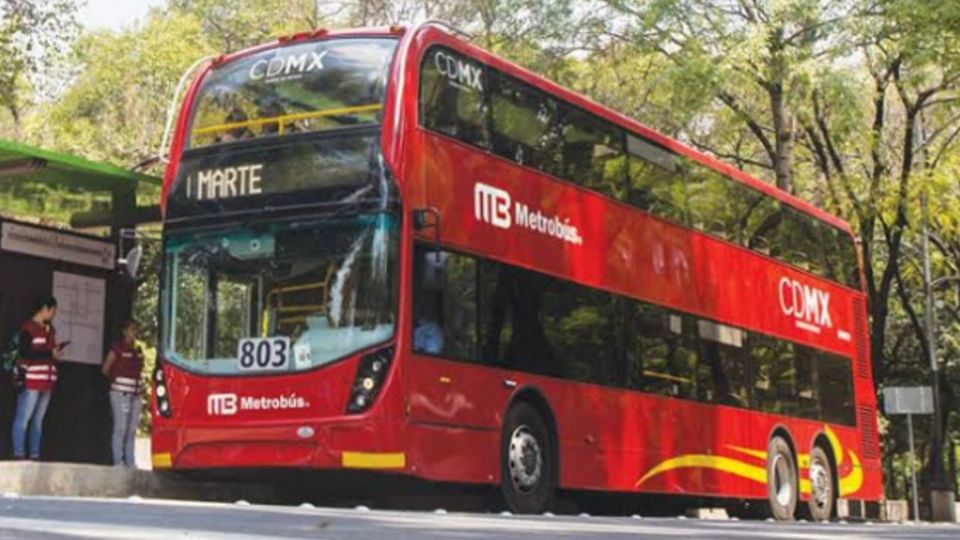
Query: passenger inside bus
236	116
428	332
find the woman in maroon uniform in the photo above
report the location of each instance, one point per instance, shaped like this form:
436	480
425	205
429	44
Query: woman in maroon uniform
122	366
37	376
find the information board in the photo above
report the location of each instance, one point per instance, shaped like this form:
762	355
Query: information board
81	302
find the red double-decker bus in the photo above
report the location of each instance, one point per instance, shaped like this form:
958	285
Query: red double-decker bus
391	250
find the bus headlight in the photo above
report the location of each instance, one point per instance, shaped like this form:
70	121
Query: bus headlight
371	374
160	393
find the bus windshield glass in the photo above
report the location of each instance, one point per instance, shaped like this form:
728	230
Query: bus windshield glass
304	293
307	87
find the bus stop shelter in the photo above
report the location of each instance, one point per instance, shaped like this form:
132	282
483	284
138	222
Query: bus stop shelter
40	256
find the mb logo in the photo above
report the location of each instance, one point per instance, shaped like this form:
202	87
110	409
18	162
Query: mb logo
491	205
221	404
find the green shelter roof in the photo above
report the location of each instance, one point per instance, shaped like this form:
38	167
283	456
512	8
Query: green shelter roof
36	164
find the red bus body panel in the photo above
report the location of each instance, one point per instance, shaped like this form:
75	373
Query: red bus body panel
445	417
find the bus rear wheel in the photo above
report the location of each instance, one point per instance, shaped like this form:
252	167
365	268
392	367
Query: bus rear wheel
528	466
822	494
781	480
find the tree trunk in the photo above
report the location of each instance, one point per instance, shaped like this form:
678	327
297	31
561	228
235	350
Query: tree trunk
784	134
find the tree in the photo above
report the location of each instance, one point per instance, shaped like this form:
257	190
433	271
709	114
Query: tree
756	59
227	26
33	33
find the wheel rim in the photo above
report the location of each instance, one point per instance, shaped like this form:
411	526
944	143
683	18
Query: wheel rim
525	459
782	481
820	488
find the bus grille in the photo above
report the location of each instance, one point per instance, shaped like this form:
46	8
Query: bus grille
867	418
861	337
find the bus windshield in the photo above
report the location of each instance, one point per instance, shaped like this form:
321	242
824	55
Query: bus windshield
319	289
313	86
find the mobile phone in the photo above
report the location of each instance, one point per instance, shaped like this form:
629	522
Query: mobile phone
63	344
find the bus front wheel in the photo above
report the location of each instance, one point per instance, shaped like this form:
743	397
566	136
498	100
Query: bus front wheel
528	466
781	480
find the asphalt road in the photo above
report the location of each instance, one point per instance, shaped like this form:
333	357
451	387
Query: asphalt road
133	519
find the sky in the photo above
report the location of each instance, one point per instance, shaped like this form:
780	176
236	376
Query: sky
114	14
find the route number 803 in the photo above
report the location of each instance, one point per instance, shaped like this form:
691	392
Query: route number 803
263	354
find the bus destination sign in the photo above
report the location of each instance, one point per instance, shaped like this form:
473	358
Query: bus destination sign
225	182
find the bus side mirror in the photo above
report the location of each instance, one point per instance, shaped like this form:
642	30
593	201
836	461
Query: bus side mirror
428	218
131	263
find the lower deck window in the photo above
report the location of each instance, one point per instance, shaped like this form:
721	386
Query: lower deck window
480	311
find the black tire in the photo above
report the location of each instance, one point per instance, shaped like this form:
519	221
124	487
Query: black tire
822	487
781	480
528	478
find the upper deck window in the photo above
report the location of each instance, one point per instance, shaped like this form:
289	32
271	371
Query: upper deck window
481	106
313	86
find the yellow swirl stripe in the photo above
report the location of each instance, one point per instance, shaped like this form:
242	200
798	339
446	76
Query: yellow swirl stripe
704	461
835	444
852	482
849	484
759	454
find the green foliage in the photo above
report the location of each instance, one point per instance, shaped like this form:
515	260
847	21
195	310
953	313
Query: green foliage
33	33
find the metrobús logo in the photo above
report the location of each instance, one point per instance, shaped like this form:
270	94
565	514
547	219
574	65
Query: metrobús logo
495	206
808	305
230	404
289	67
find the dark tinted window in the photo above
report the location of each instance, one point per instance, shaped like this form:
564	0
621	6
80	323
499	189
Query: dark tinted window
761	222
718	205
484	311
774	375
523	124
514	330
654	183
593	153
841	256
445	304
836	389
453	98
722	373
659	358
579	324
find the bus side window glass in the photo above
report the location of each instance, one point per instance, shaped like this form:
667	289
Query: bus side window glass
836	389
823	255
653	181
513	333
722	373
644	348
798	241
762	223
666	358
593	153
774	376
578	322
841	256
523	124
444	304
807	400
711	205
447	103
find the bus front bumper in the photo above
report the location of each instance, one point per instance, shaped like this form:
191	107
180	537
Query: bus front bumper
345	444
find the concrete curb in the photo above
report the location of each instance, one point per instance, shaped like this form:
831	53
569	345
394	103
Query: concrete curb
76	480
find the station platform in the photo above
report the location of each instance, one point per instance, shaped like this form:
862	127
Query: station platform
29	478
